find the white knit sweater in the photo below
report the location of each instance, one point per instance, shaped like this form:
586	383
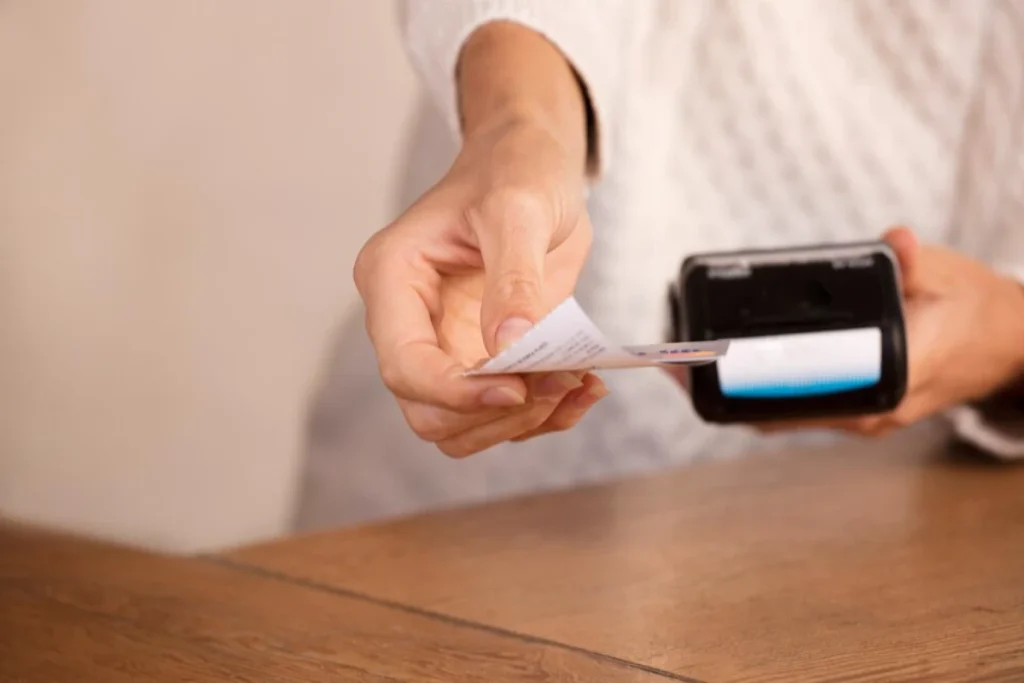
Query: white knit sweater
725	124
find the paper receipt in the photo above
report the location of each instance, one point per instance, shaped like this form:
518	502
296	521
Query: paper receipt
567	339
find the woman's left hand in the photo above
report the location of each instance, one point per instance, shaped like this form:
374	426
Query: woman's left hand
965	336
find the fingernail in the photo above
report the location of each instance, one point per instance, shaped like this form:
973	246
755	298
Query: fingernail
502	397
512	331
557	384
591	397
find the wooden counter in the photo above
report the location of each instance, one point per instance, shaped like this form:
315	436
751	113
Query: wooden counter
889	561
876	561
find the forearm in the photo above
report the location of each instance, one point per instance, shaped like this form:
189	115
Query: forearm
508	75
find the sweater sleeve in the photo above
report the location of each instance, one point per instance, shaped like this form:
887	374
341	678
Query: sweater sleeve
588	32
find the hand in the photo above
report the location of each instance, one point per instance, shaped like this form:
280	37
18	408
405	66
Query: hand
965	336
466	271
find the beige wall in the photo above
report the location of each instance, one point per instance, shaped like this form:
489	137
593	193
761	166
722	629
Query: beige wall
183	186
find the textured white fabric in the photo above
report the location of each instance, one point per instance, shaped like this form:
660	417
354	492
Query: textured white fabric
727	124
589	30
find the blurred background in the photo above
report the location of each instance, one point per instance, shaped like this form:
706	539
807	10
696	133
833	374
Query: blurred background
183	189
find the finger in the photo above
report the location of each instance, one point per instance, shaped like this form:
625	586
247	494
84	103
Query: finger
914	408
571	409
434	423
854	425
874	426
504	429
924	269
553	385
399	294
905	246
680	373
514	229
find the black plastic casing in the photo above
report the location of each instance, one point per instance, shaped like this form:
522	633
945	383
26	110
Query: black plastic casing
730	295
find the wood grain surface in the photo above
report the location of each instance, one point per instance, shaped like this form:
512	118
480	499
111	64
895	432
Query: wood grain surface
874	561
76	612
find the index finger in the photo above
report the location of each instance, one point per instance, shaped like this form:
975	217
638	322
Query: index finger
411	361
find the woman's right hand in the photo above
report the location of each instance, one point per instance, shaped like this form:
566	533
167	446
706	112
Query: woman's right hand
466	271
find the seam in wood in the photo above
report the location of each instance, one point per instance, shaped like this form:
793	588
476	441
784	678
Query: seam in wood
440	616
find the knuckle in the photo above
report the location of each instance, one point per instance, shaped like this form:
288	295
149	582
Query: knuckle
455	449
359	274
566	417
511	206
513	284
566	421
364	265
902	418
393	376
877	429
425	425
535	418
383	247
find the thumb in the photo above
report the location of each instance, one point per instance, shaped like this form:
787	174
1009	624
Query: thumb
514	243
904	244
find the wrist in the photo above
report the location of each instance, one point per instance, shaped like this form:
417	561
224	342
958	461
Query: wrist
511	78
526	144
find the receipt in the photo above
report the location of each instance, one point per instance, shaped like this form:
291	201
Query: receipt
567	339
